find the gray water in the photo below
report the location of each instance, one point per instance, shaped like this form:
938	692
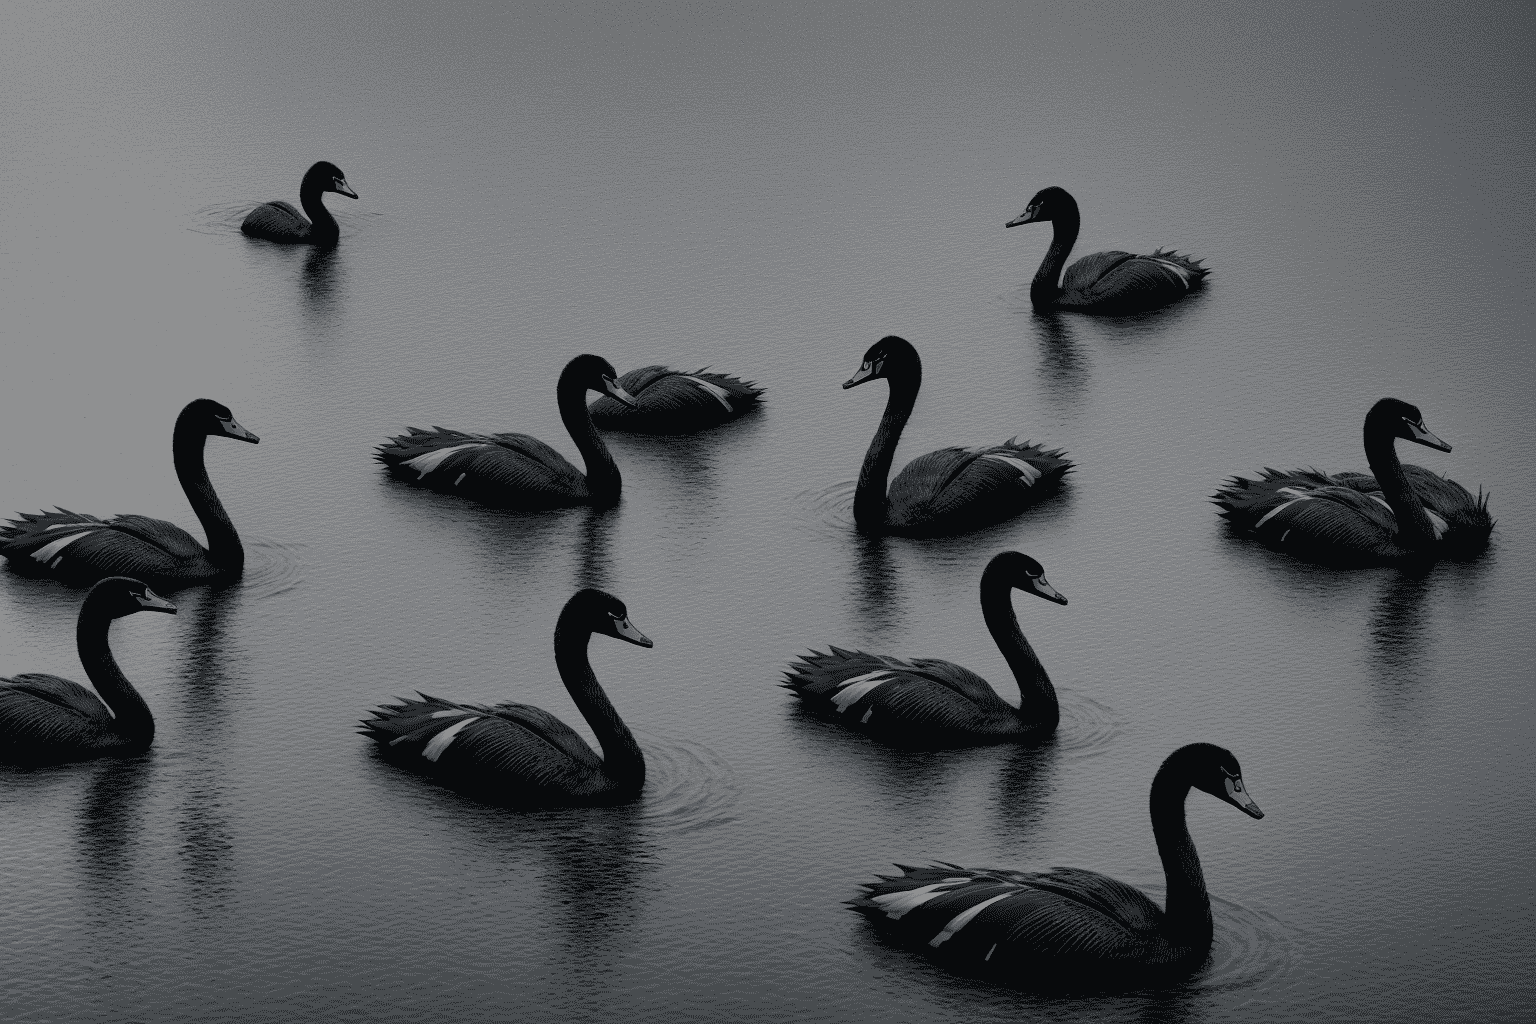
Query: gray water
767	193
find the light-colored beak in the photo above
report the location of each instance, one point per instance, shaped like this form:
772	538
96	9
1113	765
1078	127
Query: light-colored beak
1045	590
1421	435
239	433
340	185
610	386
626	631
1237	794
150	601
865	373
1027	217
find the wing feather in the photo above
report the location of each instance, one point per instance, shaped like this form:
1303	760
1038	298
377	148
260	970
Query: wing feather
673	402
510	470
956	489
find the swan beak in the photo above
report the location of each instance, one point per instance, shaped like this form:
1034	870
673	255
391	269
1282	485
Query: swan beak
239	433
1027	217
1237	795
340	185
612	387
150	601
1422	436
1045	590
625	630
866	372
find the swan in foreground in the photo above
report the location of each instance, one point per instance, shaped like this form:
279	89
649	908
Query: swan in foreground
951	490
1066	927
672	402
515	470
1107	283
80	549
48	720
927	702
278	221
1359	519
517	754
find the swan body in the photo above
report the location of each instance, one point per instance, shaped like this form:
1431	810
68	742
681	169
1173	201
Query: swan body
1394	513
927	702
1105	283
517	754
948	491
672	402
278	221
81	549
48	720
1068	927
514	470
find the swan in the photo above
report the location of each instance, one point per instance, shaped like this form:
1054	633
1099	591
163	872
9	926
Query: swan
932	703
515	470
48	720
1105	283
670	401
518	754
947	491
1359	519
278	221
1068	927
81	549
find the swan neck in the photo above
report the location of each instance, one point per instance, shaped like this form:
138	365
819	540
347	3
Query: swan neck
622	760
1414	530
603	480
224	548
132	718
1189	905
322	224
1046	287
1037	697
869	500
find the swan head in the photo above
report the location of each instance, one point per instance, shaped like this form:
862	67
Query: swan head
1214	770
119	596
1396	418
606	614
1046	205
1021	572
887	357
326	177
594	373
206	416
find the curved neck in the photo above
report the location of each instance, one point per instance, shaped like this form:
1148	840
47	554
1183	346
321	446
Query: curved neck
322	224
603	480
1037	697
132	719
1414	529
869	504
1189	905
1046	287
622	760
224	548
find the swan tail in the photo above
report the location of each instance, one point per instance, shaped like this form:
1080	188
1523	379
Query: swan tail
33	541
1052	463
821	680
674	402
1244	503
414	454
410	725
1194	271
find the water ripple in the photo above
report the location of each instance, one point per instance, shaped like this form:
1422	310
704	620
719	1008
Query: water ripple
271	568
688	786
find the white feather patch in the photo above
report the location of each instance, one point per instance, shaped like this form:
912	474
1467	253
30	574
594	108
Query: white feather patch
850	691
964	918
897	904
1278	509
424	464
721	395
434	750
868	714
1439	524
1029	473
53	547
1183	274
455	712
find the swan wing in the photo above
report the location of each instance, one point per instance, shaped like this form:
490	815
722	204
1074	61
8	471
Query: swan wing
1119	282
1310	513
68	544
923	701
43	696
168	537
671	401
277	219
550	729
485	465
959	488
1085	274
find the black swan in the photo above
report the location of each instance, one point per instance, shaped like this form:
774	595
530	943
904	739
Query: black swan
514	470
927	702
516	754
48	720
948	491
80	549
1358	519
1106	283
1070	928
672	402
278	221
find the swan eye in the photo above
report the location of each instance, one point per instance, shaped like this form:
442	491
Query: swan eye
865	366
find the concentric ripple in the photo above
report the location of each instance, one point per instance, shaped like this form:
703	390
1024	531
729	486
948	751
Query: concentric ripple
271	568
687	785
1087	726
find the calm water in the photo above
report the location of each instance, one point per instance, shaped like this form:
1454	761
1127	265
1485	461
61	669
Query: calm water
766	193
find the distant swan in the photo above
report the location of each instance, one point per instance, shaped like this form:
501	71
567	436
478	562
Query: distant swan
278	221
518	754
1357	519
48	720
1070	928
1107	283
951	490
926	702
81	549
672	402
515	470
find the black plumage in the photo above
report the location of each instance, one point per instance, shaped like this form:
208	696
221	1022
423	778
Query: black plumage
1106	283
670	401
1067	927
927	702
948	491
48	720
517	754
81	549
1349	520
278	221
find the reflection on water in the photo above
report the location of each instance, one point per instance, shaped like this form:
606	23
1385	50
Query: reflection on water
1025	783
593	562
322	285
878	590
1064	371
111	821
